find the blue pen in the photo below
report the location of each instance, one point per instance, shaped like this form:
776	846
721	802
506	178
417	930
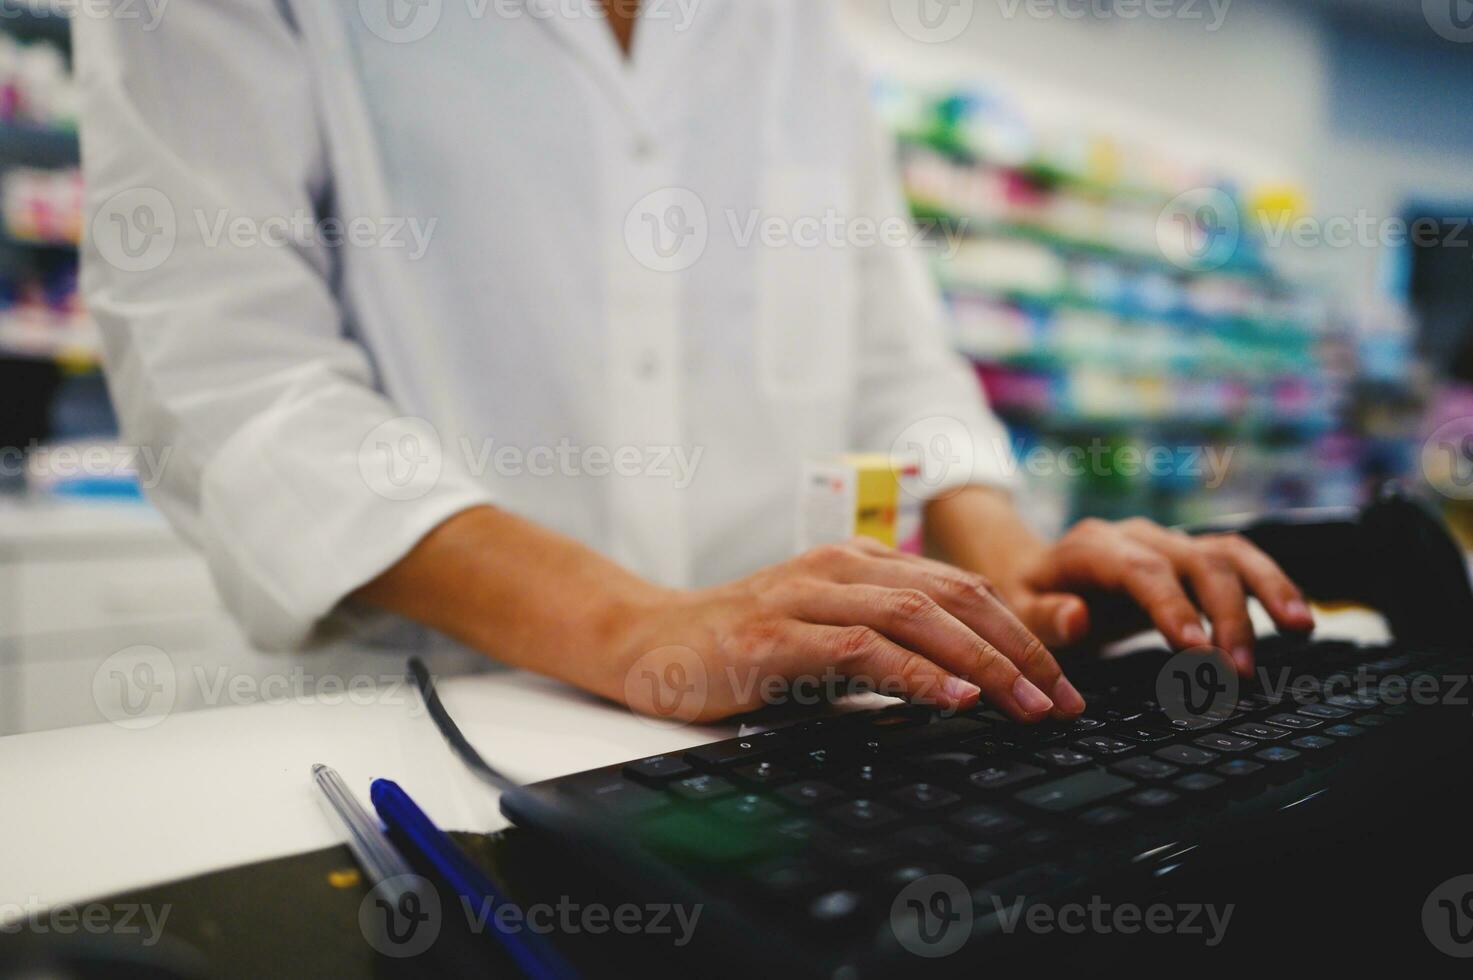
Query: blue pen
417	834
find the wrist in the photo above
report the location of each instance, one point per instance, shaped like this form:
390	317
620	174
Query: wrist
618	634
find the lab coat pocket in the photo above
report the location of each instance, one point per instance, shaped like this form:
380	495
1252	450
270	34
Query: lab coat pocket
806	288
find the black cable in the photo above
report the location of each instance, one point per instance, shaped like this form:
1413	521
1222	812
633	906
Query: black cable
420	674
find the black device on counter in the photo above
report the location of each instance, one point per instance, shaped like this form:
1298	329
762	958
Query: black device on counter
1315	809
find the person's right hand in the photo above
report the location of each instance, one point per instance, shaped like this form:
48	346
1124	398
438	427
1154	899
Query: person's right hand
905	625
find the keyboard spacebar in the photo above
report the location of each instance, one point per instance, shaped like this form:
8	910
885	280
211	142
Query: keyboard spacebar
1075	791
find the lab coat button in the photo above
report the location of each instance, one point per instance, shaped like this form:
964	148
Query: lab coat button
649	366
644	148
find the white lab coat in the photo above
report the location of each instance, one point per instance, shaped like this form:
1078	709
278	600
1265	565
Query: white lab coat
568	271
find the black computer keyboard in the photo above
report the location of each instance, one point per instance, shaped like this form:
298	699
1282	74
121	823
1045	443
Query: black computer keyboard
808	835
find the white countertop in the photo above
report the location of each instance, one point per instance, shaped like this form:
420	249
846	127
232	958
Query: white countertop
96	810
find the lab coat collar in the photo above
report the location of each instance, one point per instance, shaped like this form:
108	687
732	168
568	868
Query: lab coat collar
662	40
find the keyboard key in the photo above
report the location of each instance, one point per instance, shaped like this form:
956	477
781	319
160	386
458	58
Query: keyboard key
1142	767
1345	731
985	821
855	853
1081	725
1373	721
1105	816
735	751
702	787
1144	734
1314	743
980	855
762	773
1259	731
1239	768
658	768
747	809
1327	711
810	792
927	839
864	815
1103	745
787	876
1297	722
623	798
1062	757
836	908
940	730
899	877
1277	755
1221	742
950	763
1002	775
1186	755
1153	799
870	776
1073	792
797	830
924	796
1039	839
1355	702
1198	782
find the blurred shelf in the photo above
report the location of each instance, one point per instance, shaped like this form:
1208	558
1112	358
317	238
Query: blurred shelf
1040	173
974	227
38	146
68	340
1265	427
1271	330
35	242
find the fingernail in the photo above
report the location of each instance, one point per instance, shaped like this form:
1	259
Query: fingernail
1063	625
1296	609
961	691
1243	660
1030	699
1193	635
1067	697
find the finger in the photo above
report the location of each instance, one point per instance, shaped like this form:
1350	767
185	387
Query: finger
969	598
864	652
1215	580
920	622
1057	618
1266	580
1115	562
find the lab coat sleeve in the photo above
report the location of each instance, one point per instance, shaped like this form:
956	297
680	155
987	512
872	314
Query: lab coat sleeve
226	353
916	394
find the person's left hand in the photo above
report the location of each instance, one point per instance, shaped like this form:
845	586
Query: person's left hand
1163	571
